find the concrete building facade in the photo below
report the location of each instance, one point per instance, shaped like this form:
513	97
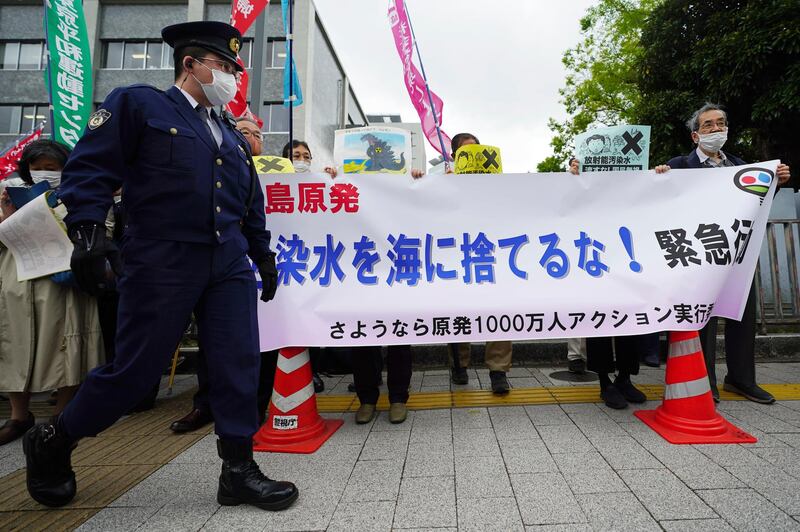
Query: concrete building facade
126	48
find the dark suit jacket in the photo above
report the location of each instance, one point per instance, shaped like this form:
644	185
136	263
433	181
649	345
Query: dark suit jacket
693	161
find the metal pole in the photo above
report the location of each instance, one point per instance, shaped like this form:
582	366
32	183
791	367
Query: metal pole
290	38
427	88
258	64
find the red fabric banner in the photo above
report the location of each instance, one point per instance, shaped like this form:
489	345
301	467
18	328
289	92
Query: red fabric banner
9	160
243	14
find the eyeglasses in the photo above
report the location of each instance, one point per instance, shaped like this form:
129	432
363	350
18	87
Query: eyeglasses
708	125
225	66
248	133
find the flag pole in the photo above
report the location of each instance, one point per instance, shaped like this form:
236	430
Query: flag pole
290	38
427	89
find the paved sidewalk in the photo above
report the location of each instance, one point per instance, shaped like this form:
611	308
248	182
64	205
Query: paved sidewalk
543	467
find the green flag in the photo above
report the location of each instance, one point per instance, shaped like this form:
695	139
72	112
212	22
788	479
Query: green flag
69	69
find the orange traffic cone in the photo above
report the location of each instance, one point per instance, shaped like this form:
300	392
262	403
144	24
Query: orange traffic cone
687	413
293	424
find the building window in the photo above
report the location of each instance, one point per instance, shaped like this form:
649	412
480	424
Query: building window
276	53
15	55
18	119
246	51
150	55
136	55
276	118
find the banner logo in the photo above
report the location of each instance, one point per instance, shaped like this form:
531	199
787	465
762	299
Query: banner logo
754	181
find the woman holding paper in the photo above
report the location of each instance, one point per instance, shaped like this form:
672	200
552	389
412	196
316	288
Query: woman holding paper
49	330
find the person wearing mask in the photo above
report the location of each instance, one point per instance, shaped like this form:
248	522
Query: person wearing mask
709	131
498	353
299	153
49	329
200	414
173	155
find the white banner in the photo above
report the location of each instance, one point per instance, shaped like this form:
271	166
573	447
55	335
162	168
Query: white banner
36	239
385	259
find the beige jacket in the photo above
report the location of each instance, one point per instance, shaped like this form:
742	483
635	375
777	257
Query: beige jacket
49	334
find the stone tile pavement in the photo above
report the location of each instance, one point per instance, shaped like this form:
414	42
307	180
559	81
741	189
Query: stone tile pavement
544	467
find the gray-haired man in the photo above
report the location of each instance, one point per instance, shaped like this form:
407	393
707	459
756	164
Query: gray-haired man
709	129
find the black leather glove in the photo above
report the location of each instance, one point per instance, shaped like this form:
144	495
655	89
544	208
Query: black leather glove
93	251
269	277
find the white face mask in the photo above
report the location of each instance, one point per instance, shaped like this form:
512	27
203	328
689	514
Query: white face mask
712	142
301	167
52	177
222	88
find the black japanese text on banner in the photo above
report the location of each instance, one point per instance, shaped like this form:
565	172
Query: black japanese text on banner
386	259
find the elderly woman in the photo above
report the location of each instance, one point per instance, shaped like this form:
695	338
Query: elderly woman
49	330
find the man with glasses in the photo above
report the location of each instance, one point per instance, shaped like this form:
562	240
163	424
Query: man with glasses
709	129
250	131
194	208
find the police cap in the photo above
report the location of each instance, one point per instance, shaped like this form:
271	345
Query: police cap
218	37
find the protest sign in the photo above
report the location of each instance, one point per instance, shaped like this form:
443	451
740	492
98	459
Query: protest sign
385	259
37	239
270	164
614	148
373	150
478	159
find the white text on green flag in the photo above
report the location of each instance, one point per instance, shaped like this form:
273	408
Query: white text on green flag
69	69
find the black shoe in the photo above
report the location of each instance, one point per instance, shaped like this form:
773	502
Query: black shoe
50	478
242	482
500	384
629	391
459	375
715	394
319	384
651	360
752	392
613	397
577	366
194	420
14	429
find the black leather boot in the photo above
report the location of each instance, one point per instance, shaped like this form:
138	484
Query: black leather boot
242	482
50	478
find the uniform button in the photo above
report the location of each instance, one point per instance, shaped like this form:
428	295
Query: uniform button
241	149
173	131
219	162
219	184
218	234
248	162
219	210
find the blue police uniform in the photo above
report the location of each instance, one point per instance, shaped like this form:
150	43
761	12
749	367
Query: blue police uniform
194	212
188	232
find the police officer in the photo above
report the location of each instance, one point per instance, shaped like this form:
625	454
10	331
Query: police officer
194	211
